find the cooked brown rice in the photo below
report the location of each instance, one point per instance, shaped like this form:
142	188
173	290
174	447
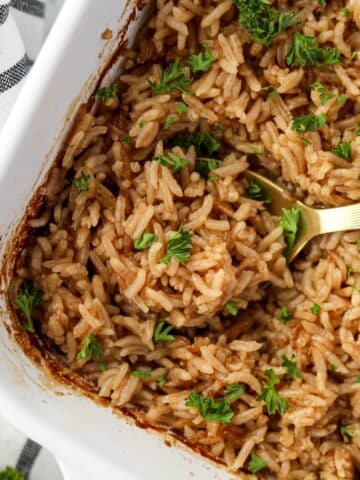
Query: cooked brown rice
82	254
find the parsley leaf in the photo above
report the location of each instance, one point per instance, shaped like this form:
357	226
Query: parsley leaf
315	309
145	241
343	150
210	409
273	401
234	391
322	3
324	96
81	184
290	221
91	348
309	123
170	120
201	62
357	379
181	107
262	21
172	80
285	315
291	369
179	247
256	463
126	139
11	473
106	93
161	381
306	142
171	160
143	123
347	433
205	165
341	100
256	191
332	367
162	333
305	51
345	12
232	308
141	374
357	131
205	144
28	298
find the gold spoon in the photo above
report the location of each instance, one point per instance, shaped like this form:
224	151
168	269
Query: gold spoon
313	221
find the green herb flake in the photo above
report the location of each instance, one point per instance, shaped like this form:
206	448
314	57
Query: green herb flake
357	379
285	315
91	348
205	165
232	308
309	123
234	391
172	80
170	120
143	123
347	433
257	191
315	309
357	131
323	94
350	271
213	178
141	374
262	21
126	139
341	100
305	51
205	144
332	367
162	333
181	107
171	160
306	142
201	62
145	241
358	242
273	401
354	55
27	299
81	184
345	12
10	473
290	365
210	409
107	93
161	381
291	222
343	150
256	463
322	3
179	247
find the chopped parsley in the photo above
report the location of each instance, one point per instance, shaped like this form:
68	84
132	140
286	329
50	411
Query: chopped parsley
171	160
322	3
141	374
172	80
126	139
201	62
205	144
343	150
273	401
262	21
256	191
181	107
81	184
27	299
272	91
161	381
162	333
357	131
357	379
315	309
179	247
305	51
91	348
285	315
290	221
358	242
306	142
341	100
210	409
205	165
10	473
170	120
290	365
143	123
309	123
232	308
106	93
234	391
345	12
350	271
323	94
347	433
332	367
256	463
145	241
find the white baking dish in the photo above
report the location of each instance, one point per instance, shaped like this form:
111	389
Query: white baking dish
90	440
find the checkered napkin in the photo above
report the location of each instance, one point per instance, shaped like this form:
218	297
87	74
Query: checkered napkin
22	31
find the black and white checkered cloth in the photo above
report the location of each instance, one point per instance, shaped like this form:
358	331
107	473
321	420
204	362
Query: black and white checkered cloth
22	32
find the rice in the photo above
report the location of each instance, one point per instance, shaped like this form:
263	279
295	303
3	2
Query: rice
222	304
